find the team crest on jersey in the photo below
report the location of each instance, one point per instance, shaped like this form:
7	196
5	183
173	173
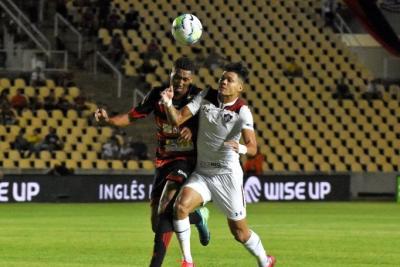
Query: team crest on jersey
227	117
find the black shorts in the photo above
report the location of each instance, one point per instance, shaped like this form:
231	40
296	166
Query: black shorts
177	171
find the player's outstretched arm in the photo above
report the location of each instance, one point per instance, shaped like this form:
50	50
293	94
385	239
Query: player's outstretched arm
175	117
119	120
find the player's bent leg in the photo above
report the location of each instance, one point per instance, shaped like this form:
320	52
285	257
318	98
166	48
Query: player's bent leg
251	241
187	201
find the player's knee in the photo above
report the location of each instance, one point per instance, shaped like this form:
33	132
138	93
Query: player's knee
181	210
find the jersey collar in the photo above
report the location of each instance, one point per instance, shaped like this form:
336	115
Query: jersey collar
224	105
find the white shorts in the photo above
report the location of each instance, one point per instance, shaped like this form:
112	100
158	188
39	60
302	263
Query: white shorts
226	191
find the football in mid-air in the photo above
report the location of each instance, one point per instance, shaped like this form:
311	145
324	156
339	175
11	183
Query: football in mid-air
187	29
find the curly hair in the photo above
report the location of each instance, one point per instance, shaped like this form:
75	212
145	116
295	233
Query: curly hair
185	63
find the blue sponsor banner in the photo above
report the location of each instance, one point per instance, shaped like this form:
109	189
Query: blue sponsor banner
297	188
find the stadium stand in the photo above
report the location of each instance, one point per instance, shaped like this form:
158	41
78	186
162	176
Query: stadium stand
300	126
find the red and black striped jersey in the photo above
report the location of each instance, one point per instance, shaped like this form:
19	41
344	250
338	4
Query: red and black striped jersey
169	148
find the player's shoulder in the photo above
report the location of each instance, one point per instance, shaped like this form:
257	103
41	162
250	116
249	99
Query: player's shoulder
159	89
211	95
239	106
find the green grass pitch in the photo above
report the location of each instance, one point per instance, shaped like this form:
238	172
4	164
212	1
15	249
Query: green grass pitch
107	235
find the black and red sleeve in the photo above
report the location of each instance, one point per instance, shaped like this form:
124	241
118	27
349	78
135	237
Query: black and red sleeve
146	106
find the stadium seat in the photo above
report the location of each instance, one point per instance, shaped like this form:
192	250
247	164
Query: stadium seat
133	165
87	164
117	165
102	164
147	164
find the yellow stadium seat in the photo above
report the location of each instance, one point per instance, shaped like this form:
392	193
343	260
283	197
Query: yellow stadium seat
57	114
9	163
39	164
42	114
96	147
133	165
102	164
5	82
19	82
147	164
73	91
76	156
50	83
81	147
91	155
45	155
117	165
87	164
25	164
61	155
14	155
4	146
71	164
72	114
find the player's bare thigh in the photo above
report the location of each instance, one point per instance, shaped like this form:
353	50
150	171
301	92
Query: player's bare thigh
186	202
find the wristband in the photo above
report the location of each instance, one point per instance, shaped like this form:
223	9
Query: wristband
167	103
242	149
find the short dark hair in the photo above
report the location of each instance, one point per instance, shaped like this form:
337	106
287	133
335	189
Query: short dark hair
239	68
185	63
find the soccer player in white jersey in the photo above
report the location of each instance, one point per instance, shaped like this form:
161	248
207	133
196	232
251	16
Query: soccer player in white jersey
218	176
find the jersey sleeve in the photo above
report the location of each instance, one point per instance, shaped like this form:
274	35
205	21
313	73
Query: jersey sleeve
146	106
246	118
195	104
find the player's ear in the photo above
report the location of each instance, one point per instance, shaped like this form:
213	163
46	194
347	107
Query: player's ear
241	85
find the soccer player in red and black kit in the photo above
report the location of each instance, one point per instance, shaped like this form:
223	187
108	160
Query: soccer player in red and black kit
175	156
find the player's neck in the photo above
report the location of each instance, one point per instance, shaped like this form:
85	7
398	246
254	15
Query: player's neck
227	98
179	96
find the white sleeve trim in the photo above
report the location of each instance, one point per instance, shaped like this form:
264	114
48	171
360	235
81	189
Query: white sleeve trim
247	118
195	104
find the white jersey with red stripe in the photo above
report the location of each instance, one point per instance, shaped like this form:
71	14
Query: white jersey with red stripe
218	123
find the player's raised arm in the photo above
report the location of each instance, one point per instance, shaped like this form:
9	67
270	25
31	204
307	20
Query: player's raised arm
175	117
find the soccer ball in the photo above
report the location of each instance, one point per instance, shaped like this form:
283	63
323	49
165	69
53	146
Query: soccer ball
187	29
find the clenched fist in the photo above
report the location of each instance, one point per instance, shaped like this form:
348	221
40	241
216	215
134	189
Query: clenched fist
101	115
